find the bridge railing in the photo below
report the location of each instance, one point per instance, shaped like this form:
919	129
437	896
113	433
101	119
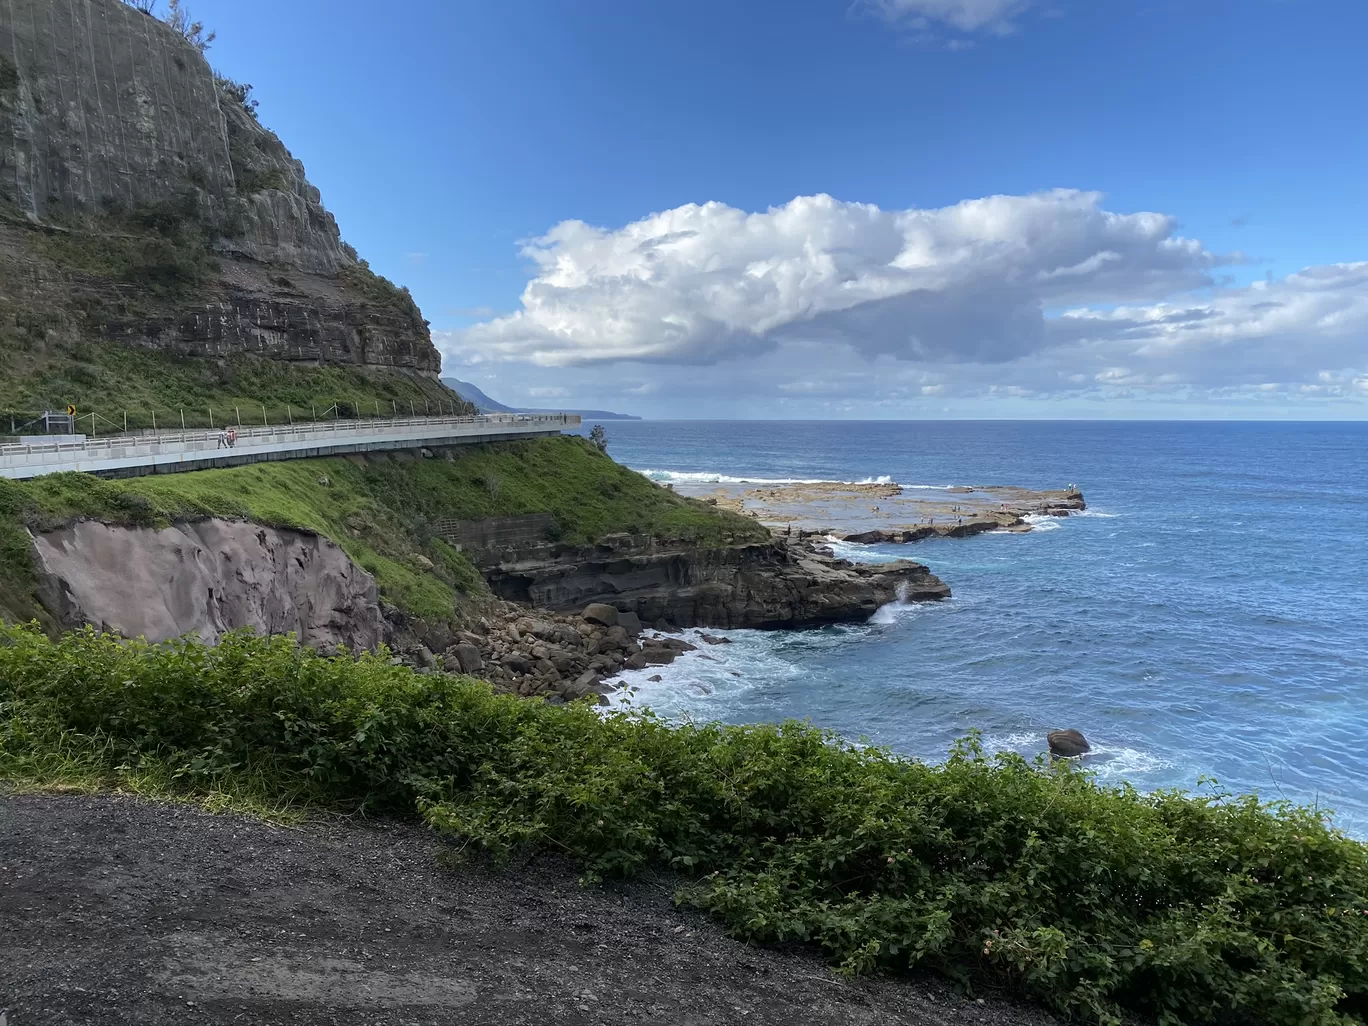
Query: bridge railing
277	436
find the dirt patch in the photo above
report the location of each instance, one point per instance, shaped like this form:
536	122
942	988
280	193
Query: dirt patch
118	910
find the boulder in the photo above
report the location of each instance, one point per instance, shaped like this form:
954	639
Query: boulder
616	638
655	678
468	658
640	660
1067	744
423	562
629	622
715	639
425	657
517	662
601	613
665	627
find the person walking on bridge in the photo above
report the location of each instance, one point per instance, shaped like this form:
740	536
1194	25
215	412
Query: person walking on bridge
223	438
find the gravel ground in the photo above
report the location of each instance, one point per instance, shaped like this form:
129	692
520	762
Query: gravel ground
119	910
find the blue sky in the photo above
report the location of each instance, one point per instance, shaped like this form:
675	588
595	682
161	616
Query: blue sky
446	136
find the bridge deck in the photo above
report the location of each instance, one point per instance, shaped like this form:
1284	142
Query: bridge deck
172	451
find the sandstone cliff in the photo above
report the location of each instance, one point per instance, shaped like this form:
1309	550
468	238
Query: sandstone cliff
207	577
142	204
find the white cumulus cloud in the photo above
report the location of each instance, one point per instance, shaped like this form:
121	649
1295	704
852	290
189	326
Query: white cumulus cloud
822	307
709	282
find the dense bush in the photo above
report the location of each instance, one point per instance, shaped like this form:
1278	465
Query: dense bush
1091	899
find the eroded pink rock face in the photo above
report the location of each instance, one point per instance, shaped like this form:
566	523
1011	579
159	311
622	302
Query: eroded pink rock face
206	578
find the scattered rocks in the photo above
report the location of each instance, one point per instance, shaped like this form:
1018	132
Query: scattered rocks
1067	744
715	639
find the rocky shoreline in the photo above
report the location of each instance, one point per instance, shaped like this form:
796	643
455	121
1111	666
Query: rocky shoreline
571	619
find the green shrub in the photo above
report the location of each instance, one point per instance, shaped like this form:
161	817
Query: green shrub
1094	900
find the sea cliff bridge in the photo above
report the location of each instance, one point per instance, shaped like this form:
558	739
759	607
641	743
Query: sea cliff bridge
163	452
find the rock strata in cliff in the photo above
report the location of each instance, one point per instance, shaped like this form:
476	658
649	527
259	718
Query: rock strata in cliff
763	584
143	204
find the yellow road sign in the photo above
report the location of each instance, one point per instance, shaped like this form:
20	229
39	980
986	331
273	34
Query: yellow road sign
71	411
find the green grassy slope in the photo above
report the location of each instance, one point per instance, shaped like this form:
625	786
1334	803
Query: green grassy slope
380	509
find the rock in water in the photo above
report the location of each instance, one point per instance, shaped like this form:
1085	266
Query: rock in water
1067	744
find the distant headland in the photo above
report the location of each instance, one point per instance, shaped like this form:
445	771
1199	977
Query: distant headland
472	394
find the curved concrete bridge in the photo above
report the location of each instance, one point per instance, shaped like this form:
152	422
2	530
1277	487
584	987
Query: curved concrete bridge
171	451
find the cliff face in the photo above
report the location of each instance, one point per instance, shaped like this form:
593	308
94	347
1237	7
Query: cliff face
762	584
143	204
207	577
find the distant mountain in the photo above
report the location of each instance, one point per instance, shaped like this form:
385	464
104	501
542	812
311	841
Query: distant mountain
470	393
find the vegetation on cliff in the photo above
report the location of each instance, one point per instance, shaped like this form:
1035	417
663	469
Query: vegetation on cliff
139	386
1095	900
381	509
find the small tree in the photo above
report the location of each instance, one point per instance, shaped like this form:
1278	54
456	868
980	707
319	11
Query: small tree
178	17
599	437
146	6
239	93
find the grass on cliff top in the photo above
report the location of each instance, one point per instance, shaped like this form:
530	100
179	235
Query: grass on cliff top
1097	901
110	380
381	509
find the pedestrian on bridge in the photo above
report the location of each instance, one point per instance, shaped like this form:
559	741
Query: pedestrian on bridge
223	438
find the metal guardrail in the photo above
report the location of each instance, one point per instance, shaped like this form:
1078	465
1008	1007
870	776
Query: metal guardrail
113	452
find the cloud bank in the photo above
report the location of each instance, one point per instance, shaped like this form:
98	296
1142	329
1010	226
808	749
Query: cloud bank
1044	294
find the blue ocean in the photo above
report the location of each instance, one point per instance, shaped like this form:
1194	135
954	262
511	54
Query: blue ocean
1207	618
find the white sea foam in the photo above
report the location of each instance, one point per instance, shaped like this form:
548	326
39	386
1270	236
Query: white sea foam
705	683
1095	513
1119	762
712	477
1040	522
717	477
858	553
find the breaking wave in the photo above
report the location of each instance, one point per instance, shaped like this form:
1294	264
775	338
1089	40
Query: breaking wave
716	477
